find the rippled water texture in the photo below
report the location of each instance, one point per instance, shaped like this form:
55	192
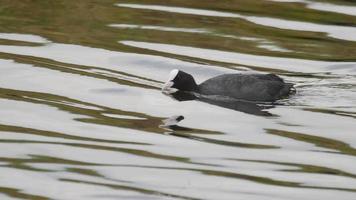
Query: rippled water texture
83	117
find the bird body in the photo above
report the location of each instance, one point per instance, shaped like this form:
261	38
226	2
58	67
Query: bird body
250	87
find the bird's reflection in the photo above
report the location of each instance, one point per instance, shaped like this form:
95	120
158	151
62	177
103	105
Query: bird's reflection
233	104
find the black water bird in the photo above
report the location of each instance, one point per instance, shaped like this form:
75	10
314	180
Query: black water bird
247	87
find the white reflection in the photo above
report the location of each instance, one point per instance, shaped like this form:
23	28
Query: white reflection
328	7
160	28
339	32
123	116
23	37
181	10
348	10
272	47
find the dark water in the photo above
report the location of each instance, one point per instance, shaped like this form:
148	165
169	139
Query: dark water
83	117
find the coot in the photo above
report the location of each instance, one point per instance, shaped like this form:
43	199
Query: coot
250	87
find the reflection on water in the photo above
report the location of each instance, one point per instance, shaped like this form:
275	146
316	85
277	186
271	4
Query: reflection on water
253	61
229	103
339	32
83	115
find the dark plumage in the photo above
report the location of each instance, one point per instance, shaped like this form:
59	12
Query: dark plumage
251	87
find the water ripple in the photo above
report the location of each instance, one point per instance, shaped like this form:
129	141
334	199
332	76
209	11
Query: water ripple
83	115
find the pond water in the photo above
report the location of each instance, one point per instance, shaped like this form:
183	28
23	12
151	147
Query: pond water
83	116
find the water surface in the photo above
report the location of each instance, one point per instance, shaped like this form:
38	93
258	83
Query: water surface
83	116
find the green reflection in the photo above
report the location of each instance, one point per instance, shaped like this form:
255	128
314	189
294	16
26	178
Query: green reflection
16	193
323	142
